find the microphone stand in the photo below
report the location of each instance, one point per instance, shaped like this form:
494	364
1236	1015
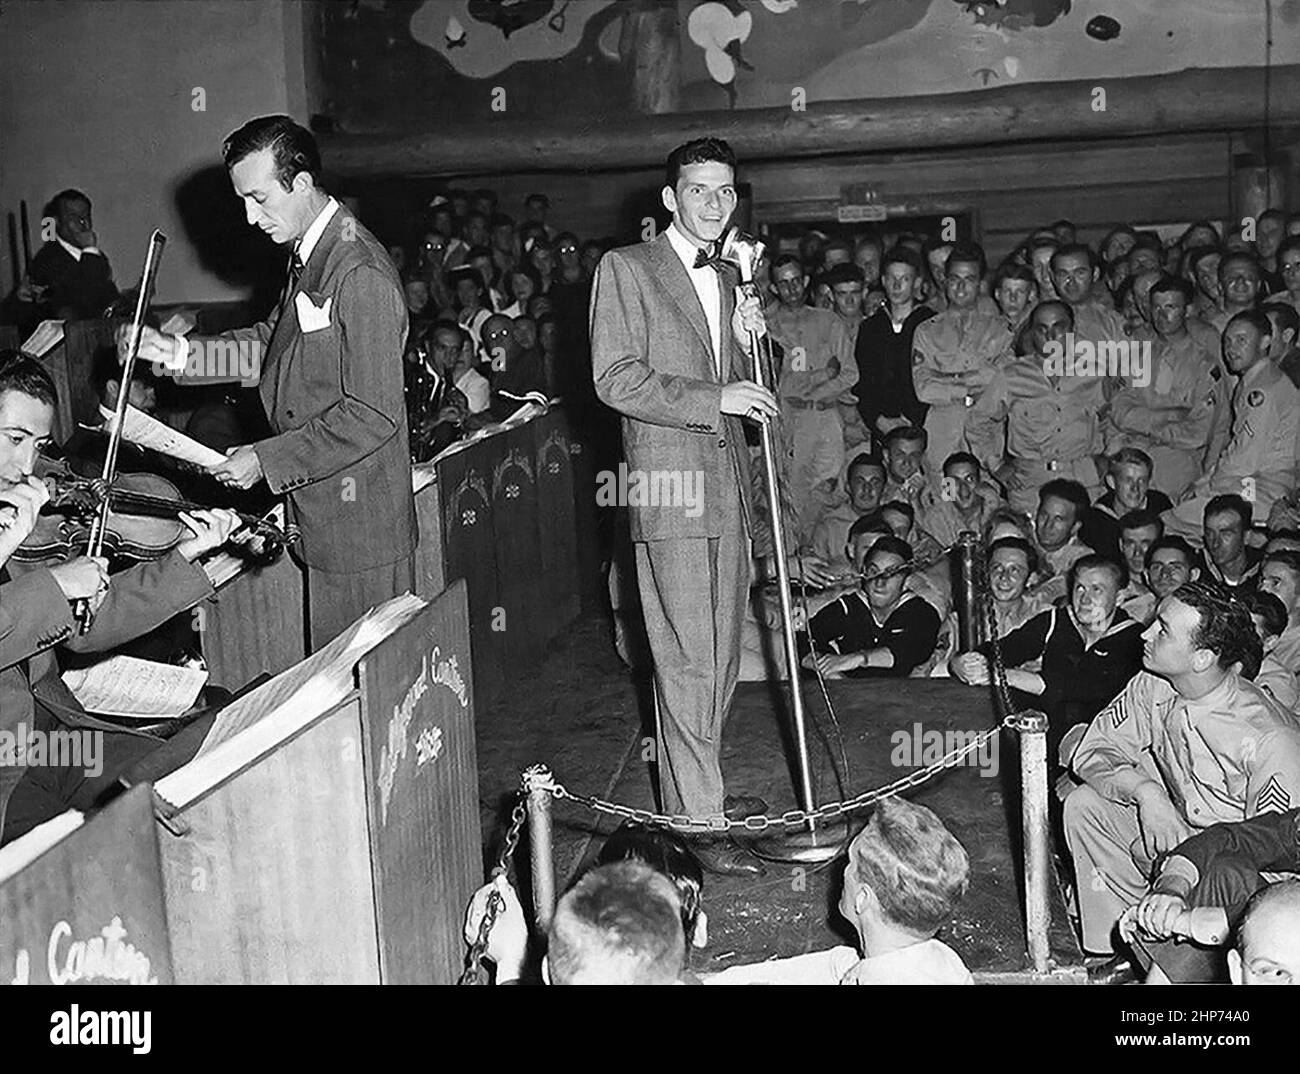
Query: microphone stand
821	840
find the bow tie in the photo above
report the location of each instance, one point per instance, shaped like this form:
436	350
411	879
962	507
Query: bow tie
710	256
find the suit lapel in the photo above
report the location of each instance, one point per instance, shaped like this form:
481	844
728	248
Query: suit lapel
672	273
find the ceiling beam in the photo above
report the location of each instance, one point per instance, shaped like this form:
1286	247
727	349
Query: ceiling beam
1194	100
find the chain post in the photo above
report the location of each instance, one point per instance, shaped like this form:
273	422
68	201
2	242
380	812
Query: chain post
1032	726
537	787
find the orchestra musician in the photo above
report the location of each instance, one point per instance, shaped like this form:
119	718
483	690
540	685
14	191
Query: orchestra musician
36	613
330	380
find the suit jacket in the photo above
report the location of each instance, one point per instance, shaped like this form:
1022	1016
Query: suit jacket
78	289
334	400
652	361
35	617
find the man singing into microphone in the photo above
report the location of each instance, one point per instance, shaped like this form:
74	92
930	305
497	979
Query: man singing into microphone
331	381
662	356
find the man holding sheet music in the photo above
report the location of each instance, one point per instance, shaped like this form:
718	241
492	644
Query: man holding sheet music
330	380
36	615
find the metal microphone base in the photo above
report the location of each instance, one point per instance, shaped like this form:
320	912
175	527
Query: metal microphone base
817	845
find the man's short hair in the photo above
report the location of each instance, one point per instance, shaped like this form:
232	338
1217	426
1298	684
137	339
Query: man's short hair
1197	254
781	260
959	457
538	199
1291	244
1269	608
1228	503
1048	303
1131	456
864	458
1282	894
1074	249
1178	544
967	253
697	151
22	373
1168	283
667	853
914	865
446	324
1286	317
871	523
1288	559
903	255
1014	270
1140	519
1063	488
1095	562
1006	513
1018	544
1246	256
843	273
895	546
54	205
899	507
619	924
1225	627
906	434
293	149
1256	318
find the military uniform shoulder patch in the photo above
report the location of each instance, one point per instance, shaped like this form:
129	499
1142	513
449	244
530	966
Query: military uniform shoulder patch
1255	398
1274	798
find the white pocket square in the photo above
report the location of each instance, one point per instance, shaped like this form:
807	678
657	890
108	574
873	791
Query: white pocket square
312	318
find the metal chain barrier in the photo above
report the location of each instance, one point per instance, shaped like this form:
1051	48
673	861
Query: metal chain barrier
473	973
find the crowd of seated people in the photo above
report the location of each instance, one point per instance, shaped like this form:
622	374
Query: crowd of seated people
1136	512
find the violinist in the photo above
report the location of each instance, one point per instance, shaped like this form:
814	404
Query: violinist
36	610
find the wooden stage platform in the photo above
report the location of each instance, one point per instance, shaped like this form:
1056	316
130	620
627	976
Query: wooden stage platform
790	910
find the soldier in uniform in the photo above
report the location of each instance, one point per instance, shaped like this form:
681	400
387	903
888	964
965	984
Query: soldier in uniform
1189	743
1047	421
1258	463
817	370
1183	408
955	354
1076	278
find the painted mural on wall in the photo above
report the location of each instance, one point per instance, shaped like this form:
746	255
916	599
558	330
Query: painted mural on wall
409	64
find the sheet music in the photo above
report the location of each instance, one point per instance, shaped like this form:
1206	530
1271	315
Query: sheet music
144	431
16	856
48	335
254	724
136	689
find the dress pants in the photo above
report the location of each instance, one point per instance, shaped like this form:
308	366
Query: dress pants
693	593
1110	867
336	601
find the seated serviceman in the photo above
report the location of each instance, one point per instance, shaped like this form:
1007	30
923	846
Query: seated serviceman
1279	574
1190	742
1061	507
904	878
1260	458
1012	562
37	615
1223	866
1274	678
964	503
882	629
620	924
931	573
1128	482
1170	563
956	353
1037	417
864	484
1138	531
1089	650
903	450
1227	558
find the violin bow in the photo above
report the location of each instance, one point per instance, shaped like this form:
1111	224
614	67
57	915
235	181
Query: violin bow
99	528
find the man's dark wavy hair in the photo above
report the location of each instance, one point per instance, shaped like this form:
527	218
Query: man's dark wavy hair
293	148
697	151
1225	628
21	372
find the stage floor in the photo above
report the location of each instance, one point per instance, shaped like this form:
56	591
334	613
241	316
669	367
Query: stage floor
592	740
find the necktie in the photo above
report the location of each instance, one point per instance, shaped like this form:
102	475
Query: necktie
295	270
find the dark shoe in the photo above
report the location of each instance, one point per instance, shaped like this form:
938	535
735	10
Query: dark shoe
740	806
1116	970
726	859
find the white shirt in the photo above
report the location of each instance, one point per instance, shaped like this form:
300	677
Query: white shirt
76	251
928	962
707	289
317	228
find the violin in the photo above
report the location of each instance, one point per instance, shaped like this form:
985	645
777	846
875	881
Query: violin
142	524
